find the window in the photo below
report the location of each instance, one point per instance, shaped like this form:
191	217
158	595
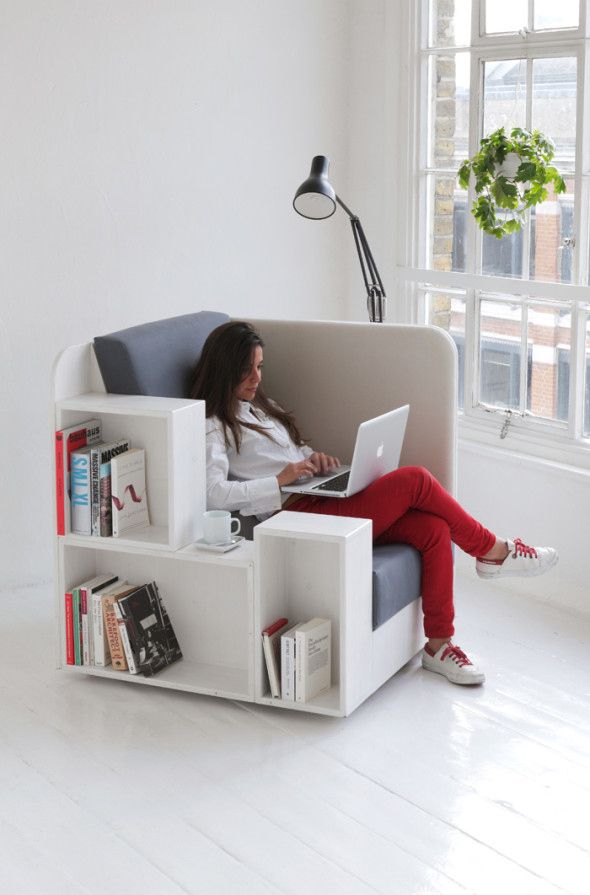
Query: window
515	307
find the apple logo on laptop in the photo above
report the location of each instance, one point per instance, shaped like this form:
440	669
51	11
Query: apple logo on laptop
380	450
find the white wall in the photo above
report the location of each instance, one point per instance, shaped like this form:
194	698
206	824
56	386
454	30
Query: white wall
150	152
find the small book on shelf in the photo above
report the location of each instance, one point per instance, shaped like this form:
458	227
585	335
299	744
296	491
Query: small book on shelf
87	591
128	492
312	658
150	635
81	514
73	619
100	483
271	645
288	646
112	629
66	441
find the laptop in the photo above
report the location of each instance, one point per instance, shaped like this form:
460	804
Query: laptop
377	451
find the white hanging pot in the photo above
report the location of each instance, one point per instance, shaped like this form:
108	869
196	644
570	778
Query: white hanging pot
509	166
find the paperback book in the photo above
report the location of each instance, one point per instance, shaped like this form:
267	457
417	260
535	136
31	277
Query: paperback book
151	638
66	442
271	645
288	647
80	492
112	628
128	491
312	658
100	470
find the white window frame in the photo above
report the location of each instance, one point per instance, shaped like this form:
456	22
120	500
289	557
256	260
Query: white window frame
551	439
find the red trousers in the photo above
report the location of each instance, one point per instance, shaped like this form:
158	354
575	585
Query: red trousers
411	507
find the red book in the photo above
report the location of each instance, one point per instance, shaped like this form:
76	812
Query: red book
68	440
70	660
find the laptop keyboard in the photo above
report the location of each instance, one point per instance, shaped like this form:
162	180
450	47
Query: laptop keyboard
338	483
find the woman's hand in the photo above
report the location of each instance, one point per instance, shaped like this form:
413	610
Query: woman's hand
324	463
294	471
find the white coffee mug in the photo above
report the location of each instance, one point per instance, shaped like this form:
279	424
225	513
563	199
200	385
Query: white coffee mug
218	527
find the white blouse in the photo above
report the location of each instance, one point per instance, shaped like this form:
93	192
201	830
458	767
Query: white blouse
247	481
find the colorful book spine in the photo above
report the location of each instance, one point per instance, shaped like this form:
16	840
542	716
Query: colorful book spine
124	635
66	441
69	620
118	660
87	657
77	626
102	656
95	491
80	484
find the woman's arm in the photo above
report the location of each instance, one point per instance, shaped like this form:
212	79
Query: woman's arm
251	498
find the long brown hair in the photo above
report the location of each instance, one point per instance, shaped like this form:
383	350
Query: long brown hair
225	361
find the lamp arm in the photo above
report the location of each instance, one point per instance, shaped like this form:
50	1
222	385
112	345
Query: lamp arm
373	282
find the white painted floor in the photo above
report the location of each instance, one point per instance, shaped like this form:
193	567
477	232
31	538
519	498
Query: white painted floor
426	788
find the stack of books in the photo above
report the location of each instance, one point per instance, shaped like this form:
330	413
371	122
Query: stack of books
298	658
100	486
111	622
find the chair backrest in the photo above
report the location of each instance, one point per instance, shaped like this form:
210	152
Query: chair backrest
155	358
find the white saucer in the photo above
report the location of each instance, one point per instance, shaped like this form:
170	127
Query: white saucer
219	548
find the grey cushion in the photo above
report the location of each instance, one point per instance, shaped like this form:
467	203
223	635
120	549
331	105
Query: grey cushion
155	358
396	580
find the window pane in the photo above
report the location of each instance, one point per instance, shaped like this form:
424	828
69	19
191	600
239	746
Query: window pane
450	23
447	309
502	257
504	95
506	16
554	106
446	227
449	110
549	347
500	354
552	233
549	14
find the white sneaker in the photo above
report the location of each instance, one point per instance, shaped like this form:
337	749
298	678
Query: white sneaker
454	664
521	561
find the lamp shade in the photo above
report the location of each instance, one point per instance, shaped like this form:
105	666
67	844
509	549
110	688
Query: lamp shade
316	197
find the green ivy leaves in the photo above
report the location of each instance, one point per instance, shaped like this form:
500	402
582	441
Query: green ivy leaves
501	201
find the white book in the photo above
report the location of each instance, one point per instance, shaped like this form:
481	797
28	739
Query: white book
128	491
102	653
271	644
87	593
133	669
312	658
288	646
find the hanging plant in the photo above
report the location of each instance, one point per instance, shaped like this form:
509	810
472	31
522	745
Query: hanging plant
511	175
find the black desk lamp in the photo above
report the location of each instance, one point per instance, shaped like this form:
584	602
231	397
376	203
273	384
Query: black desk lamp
316	199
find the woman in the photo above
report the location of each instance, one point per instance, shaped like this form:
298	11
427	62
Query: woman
254	448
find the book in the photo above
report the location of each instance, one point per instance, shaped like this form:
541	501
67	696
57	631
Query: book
124	636
128	491
95	585
81	520
271	645
69	629
115	644
100	484
77	626
312	658
288	646
150	633
66	441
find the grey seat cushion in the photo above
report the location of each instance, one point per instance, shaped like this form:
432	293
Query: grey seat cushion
396	580
155	358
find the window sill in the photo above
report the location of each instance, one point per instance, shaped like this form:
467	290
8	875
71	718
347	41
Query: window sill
551	452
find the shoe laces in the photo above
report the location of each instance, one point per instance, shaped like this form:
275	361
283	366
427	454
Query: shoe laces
456	654
521	549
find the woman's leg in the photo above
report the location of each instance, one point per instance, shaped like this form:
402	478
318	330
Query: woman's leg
410	488
431	536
